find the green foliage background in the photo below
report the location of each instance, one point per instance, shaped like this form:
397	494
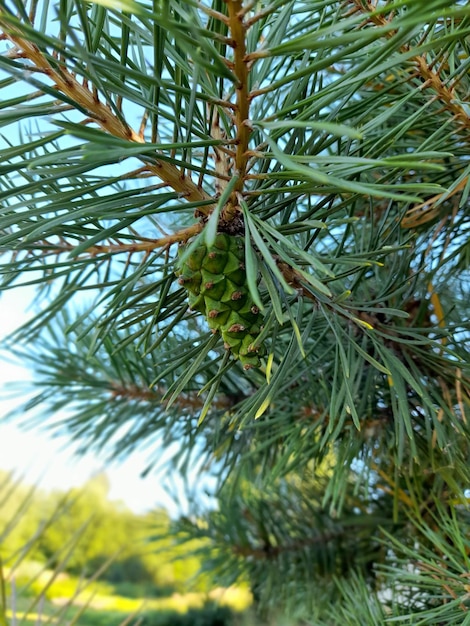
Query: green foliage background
80	558
332	136
91	532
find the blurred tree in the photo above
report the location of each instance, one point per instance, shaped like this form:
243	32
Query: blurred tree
297	172
16	527
135	548
106	529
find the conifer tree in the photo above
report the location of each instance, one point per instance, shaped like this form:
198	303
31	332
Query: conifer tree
247	222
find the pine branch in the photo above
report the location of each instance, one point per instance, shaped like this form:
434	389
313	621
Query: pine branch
272	552
52	248
425	70
240	68
330	138
189	403
86	99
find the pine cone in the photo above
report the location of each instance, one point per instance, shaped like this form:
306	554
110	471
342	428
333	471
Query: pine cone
215	279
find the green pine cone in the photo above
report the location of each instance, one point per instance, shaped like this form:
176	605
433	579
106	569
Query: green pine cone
247	348
215	261
212	285
190	280
249	313
215	279
217	313
196	303
235	296
251	361
235	269
195	259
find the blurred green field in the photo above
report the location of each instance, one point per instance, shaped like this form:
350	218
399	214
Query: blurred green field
52	598
81	559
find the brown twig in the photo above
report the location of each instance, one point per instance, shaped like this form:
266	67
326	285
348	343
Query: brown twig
221	158
212	13
240	69
190	401
128	248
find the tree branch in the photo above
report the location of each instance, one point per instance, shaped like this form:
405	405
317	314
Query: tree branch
118	248
190	401
87	99
240	69
431	78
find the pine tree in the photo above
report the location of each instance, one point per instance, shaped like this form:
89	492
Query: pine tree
248	227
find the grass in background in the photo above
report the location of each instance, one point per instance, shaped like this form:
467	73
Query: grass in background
35	592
